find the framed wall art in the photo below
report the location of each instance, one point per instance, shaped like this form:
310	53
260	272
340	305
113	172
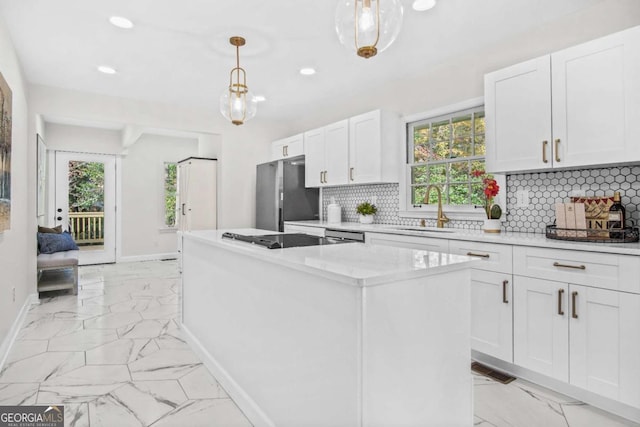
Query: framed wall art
5	155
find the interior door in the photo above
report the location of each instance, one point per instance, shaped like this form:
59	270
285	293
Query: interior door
85	203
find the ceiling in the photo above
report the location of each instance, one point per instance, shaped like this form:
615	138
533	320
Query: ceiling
178	52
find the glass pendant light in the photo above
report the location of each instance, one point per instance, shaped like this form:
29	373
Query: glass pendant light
368	26
237	103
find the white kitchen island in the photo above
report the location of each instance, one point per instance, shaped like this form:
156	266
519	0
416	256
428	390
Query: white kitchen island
343	335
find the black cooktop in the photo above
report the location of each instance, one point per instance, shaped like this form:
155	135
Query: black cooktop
280	241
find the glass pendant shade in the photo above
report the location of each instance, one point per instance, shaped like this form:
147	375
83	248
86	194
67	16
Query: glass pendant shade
368	26
237	103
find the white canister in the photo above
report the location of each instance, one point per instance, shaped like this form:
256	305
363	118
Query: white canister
334	213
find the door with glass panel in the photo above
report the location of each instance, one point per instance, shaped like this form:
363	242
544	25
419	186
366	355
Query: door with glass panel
85	203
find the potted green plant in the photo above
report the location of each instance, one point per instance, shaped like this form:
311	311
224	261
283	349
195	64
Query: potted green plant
366	211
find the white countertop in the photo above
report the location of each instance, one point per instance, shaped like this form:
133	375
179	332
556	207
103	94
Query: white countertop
353	263
507	238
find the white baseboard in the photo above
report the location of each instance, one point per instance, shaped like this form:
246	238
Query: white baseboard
247	405
609	405
8	341
151	257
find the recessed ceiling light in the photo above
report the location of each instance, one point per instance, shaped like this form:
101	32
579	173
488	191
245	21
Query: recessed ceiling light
422	5
260	98
121	22
106	69
307	71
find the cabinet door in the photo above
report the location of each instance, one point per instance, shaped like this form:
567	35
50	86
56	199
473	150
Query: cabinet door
277	150
605	343
541	326
314	158
491	314
365	153
336	164
596	108
518	117
294	146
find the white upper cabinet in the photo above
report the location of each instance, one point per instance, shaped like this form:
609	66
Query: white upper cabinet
374	148
577	107
288	147
518	116
326	155
362	149
596	107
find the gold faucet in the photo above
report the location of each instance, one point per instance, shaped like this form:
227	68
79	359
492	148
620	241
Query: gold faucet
442	218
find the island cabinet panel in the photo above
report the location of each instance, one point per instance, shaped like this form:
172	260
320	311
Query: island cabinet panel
331	336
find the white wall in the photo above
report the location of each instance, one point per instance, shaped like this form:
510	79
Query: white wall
18	245
142	198
83	139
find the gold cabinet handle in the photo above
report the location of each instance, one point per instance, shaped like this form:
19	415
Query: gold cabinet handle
576	267
544	151
478	255
504	291
283	151
351	174
574	313
557	143
560	293
325	177
321	174
286	150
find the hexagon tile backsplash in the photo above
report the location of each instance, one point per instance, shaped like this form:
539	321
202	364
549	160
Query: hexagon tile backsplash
544	190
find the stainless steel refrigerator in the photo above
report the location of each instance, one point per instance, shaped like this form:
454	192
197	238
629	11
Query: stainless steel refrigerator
281	194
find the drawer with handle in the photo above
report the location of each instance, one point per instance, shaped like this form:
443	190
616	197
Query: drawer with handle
608	271
495	257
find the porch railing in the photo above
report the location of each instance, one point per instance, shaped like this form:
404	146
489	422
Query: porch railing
87	228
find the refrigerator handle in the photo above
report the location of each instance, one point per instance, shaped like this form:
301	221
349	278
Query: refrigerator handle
183	209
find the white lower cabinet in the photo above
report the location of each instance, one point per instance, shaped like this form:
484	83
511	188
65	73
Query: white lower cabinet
586	336
540	326
491	314
604	343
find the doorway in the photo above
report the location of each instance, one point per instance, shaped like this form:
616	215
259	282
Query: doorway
85	203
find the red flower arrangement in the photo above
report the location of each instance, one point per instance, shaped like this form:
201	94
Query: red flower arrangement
491	189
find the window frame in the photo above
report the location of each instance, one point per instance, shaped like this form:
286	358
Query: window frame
429	211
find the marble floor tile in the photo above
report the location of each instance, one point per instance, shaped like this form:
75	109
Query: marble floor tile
134	304
41	367
149	400
82	340
200	384
112	320
170	299
121	352
169	341
76	415
26	348
164	364
205	413
18	394
74	394
166	311
44	329
145	329
91	375
509	406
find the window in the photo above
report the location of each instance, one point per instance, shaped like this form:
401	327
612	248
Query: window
444	150
170	187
